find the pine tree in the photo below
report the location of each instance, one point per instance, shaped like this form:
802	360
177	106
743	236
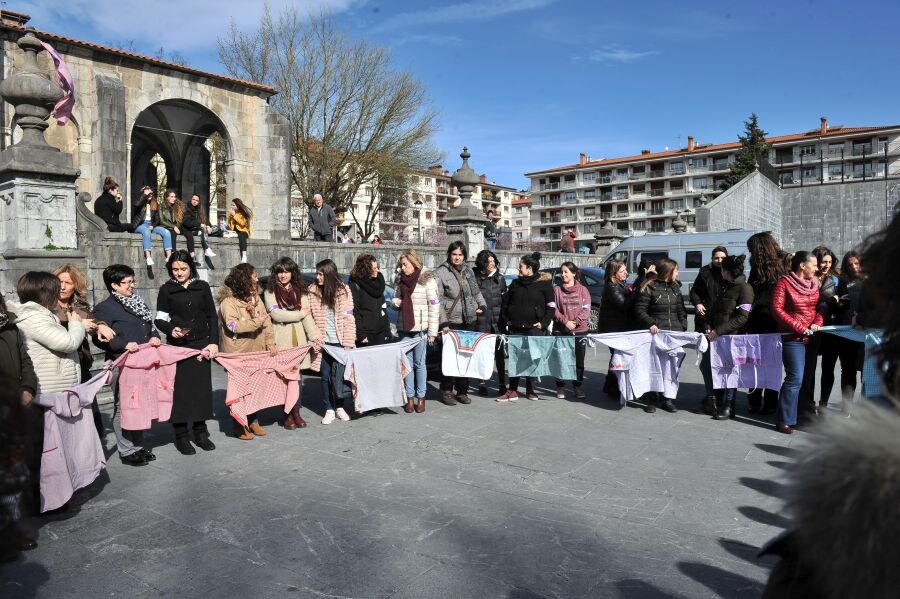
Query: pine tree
754	150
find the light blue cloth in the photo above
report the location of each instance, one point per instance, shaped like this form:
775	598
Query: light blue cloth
872	375
541	356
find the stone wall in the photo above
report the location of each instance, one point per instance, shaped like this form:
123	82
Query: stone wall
753	203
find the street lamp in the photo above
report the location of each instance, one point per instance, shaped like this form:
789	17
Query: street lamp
418	204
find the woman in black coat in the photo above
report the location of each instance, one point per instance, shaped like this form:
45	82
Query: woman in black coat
659	306
367	287
108	206
616	308
493	288
186	313
528	309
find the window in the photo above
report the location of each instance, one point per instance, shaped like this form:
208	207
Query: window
570	213
698	162
518	223
809	150
639	225
676	204
570	196
836	149
506	223
518	210
698	202
590	194
693	259
658	226
676	167
519	235
543	230
786	177
570	178
589	177
589	211
622	225
810	173
676	185
653	256
701	183
835	170
639	188
622	171
639	207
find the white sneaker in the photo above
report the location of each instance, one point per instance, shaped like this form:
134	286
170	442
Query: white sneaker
209	253
149	261
342	415
329	417
243	259
560	394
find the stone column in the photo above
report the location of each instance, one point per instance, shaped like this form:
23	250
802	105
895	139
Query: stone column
465	221
37	181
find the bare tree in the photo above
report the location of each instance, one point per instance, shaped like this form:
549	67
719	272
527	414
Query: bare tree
355	118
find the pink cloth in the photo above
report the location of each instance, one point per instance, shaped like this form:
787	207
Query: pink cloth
73	456
63	108
746	362
257	380
146	384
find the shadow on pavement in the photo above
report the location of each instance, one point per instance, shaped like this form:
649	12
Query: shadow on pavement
638	589
786	452
764	517
720	581
766	487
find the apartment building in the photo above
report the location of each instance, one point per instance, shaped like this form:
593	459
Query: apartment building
646	192
521	222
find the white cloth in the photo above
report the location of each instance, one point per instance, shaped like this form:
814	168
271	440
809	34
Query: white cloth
746	362
468	354
376	373
645	362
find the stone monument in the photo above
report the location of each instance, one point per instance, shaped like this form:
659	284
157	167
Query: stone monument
465	221
607	238
37	181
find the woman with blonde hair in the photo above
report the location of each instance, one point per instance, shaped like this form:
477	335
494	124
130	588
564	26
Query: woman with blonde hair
73	299
420	310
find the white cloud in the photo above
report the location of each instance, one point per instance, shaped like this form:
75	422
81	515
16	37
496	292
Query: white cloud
176	25
617	54
457	13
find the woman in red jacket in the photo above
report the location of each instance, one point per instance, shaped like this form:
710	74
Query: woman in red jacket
573	308
795	300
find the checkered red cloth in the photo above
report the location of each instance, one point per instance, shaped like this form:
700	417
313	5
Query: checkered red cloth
258	380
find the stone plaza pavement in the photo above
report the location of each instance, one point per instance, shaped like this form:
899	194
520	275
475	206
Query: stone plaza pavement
553	498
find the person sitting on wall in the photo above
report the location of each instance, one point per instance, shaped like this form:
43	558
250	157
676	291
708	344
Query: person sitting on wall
490	231
567	243
108	207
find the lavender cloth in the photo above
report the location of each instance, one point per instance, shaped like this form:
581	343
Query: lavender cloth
62	111
746	362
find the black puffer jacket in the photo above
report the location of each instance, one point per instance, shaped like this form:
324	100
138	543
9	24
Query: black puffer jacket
529	300
661	304
708	286
761	320
725	316
493	288
616	308
369	310
15	362
193	217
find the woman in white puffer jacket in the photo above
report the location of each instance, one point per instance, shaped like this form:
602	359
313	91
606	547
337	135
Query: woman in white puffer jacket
416	297
51	347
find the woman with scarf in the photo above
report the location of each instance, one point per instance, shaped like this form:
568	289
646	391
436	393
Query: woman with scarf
367	287
528	309
417	299
493	288
73	298
125	313
186	313
292	320
795	306
246	327
573	308
461	305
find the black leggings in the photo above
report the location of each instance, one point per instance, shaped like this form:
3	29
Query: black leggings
188	238
847	351
529	380
242	240
580	347
459	384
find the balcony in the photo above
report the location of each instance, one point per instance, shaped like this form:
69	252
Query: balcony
546	186
622	214
657	211
621	195
603	180
697	168
606	197
550	220
620	179
860	149
721	165
550	203
808	156
656	193
657	174
636	176
568	184
674	172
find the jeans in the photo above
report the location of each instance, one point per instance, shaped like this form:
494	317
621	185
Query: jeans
144	230
806	400
492	244
416	382
325	373
706	371
793	354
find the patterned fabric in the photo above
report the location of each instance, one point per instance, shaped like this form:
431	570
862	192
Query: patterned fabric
135	304
872	375
468	354
746	362
258	380
541	356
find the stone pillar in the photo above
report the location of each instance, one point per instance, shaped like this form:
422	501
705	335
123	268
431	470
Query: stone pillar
465	221
607	238
37	181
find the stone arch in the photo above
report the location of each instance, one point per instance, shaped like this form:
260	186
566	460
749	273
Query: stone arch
177	130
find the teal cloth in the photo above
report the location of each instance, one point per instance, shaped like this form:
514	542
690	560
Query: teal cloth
541	356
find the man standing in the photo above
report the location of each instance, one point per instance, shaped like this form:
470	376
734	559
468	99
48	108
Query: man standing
490	231
321	219
704	292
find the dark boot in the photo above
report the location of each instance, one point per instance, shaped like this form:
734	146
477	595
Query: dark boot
289	423
448	397
183	444
201	437
732	409
299	422
668	405
709	405
722	411
420	407
651	400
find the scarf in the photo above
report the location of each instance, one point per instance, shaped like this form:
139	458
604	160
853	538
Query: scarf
803	286
135	305
407	286
287	299
373	287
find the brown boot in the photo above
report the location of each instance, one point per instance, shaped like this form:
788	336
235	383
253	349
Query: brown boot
448	398
408	408
257	430
289	423
242	432
295	415
420	407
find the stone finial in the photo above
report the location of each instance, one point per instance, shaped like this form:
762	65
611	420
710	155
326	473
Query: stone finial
465	179
679	225
32	93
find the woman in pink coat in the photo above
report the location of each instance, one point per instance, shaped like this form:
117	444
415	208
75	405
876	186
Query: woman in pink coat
573	308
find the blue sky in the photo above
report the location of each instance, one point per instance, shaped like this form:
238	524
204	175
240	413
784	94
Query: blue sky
528	84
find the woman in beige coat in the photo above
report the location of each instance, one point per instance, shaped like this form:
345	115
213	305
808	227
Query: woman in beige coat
292	320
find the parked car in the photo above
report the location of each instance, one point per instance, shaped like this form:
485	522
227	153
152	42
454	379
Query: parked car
592	278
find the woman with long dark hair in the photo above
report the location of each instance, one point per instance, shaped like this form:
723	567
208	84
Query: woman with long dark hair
239	217
573	308
827	278
186	313
659	306
528	309
461	305
108	206
196	221
332	307
836	348
795	301
616	313
246	328
145	220
367	286
493	288
292	320
767	265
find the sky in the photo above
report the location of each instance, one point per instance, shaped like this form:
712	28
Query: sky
529	84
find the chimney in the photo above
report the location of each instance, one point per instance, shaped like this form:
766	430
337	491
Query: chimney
483	178
823	127
690	143
644	152
582	159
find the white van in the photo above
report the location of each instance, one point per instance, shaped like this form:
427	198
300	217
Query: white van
690	250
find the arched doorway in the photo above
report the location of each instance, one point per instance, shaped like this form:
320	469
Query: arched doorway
181	145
